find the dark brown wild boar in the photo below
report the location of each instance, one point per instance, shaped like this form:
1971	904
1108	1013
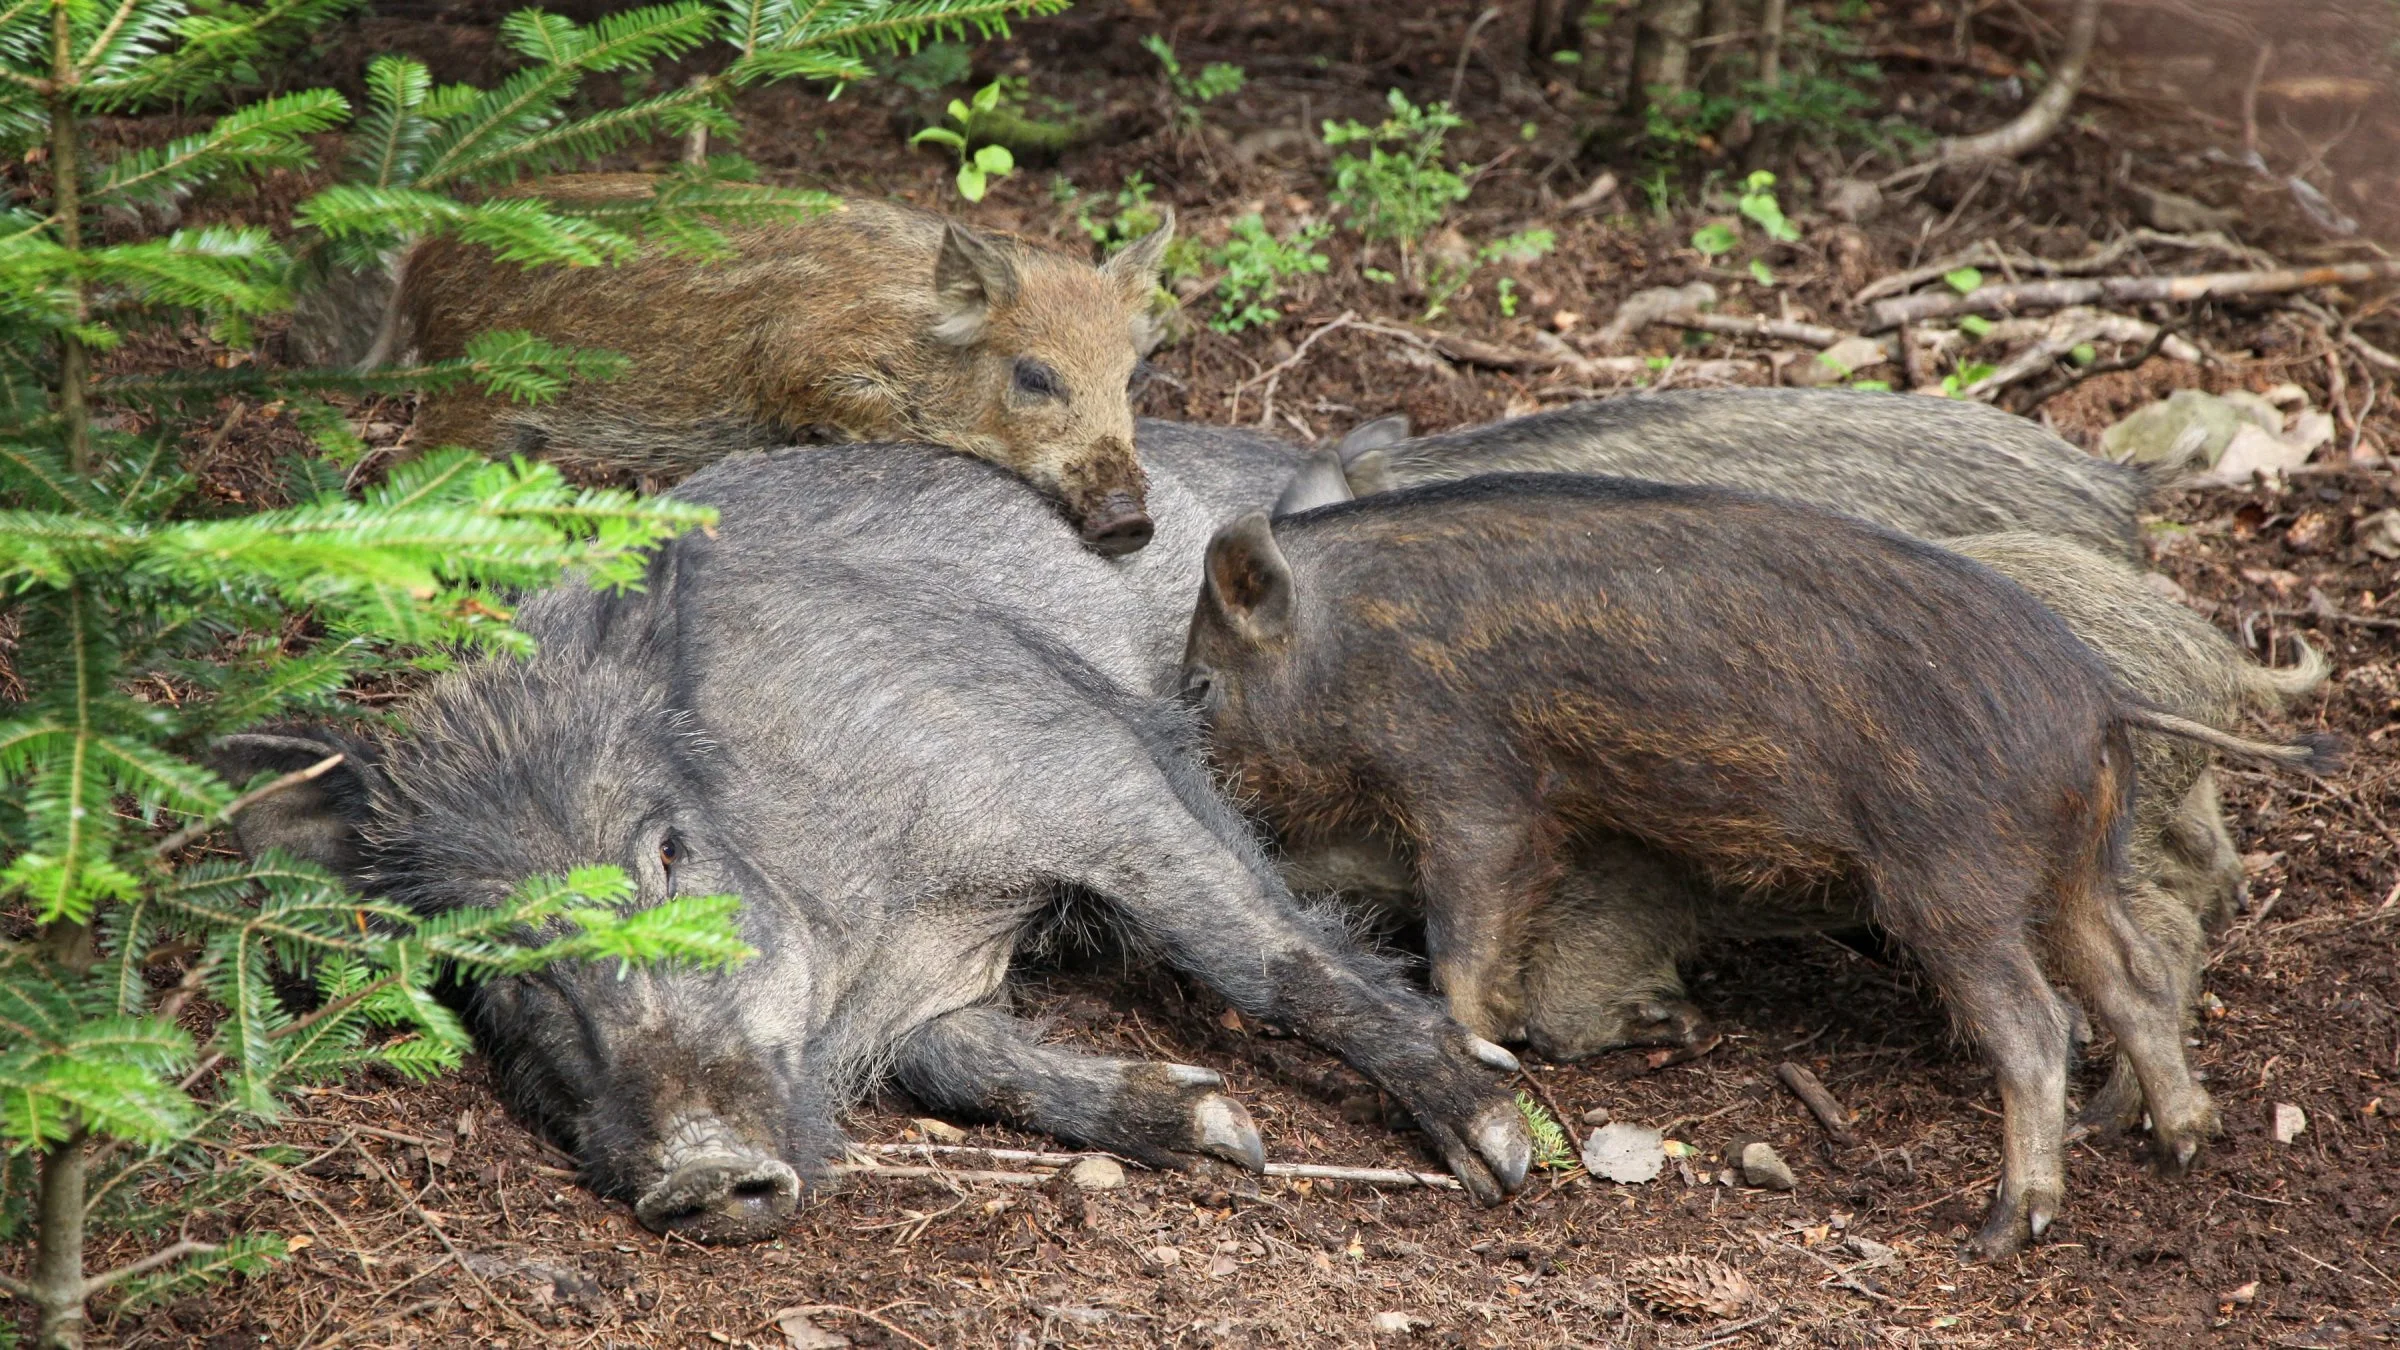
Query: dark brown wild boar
1794	706
869	322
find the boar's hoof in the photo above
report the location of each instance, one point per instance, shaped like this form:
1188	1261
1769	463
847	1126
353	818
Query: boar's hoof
1501	1141
1669	1022
2011	1221
722	1199
1493	1055
1117	526
1224	1131
1192	1075
2115	1108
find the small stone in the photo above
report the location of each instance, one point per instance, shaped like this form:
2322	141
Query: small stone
939	1131
1874	1254
799	1333
2174	212
1096	1174
1398	1323
1763	1167
1160	1259
1597	1116
1853	199
2381	533
2290	1122
1646	307
2244	1296
1625	1153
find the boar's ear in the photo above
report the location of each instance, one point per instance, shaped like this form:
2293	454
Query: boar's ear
1369	474
318	819
1319	483
1134	268
1247	581
971	277
1373	435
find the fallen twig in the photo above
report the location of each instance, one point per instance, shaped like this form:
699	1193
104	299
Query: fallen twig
1273	375
1782	330
1820	1103
2036	398
2041	117
1371	1176
1840	1276
2122	290
1989	254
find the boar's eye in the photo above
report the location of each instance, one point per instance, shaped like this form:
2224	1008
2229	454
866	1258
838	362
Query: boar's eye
1037	380
669	849
1199	686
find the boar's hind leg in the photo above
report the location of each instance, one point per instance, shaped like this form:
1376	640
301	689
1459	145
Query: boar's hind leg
983	1063
2169	921
2000	999
1184	870
2139	990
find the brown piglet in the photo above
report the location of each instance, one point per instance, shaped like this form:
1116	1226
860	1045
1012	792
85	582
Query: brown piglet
869	322
1503	676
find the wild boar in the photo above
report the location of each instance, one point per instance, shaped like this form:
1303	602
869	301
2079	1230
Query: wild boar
896	706
871	322
1795	705
1922	466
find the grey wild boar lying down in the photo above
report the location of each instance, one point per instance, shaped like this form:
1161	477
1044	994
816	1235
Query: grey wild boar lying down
1922	466
1792	705
896	706
871	322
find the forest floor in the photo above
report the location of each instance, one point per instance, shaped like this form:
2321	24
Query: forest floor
432	1218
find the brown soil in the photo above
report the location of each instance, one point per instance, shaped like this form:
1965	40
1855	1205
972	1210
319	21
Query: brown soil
2270	1243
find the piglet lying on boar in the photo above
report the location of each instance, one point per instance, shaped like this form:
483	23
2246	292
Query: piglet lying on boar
1791	704
1922	466
870	322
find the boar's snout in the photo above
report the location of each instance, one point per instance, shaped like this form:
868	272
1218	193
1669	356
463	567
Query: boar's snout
1117	526
722	1198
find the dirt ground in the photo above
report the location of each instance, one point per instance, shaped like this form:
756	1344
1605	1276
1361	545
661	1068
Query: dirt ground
431	1218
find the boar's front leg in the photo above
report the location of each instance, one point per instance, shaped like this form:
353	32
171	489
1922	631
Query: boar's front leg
1185	871
984	1064
1484	868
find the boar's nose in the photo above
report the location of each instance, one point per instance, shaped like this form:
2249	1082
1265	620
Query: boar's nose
722	1198
1117	526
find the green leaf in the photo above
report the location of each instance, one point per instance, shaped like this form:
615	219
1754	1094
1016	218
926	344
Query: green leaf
1964	280
2083	354
960	112
1763	274
939	136
1714	239
995	160
970	182
1872	386
1975	326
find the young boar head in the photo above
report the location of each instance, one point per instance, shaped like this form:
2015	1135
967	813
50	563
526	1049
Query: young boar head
1046	349
685	1092
1238	662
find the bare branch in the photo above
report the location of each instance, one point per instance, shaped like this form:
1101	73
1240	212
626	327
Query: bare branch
2122	290
2041	118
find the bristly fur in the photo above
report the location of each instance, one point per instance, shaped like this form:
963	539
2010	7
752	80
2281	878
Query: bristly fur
1926	467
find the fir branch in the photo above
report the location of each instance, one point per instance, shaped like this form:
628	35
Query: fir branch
178	841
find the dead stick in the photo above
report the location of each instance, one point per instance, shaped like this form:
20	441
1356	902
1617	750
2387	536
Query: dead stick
1015	1155
1370	1176
1542	1095
1273	375
1820	1103
1782	330
2122	290
955	1174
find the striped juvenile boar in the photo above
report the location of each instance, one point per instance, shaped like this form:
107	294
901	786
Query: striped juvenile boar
869	322
1790	704
1922	466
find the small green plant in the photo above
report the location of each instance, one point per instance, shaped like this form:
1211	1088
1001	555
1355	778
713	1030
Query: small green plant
1402	189
935	66
1964	280
1968	375
978	167
1975	326
1132	217
1257	265
1550	1147
1506	294
1445	283
1759	206
1214	80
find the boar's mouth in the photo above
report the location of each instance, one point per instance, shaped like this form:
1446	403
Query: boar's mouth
1117	525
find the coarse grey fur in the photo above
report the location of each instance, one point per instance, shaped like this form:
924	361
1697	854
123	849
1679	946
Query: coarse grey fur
897	707
1923	466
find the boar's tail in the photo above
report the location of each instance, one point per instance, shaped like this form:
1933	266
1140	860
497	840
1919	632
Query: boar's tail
2269	687
2317	752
